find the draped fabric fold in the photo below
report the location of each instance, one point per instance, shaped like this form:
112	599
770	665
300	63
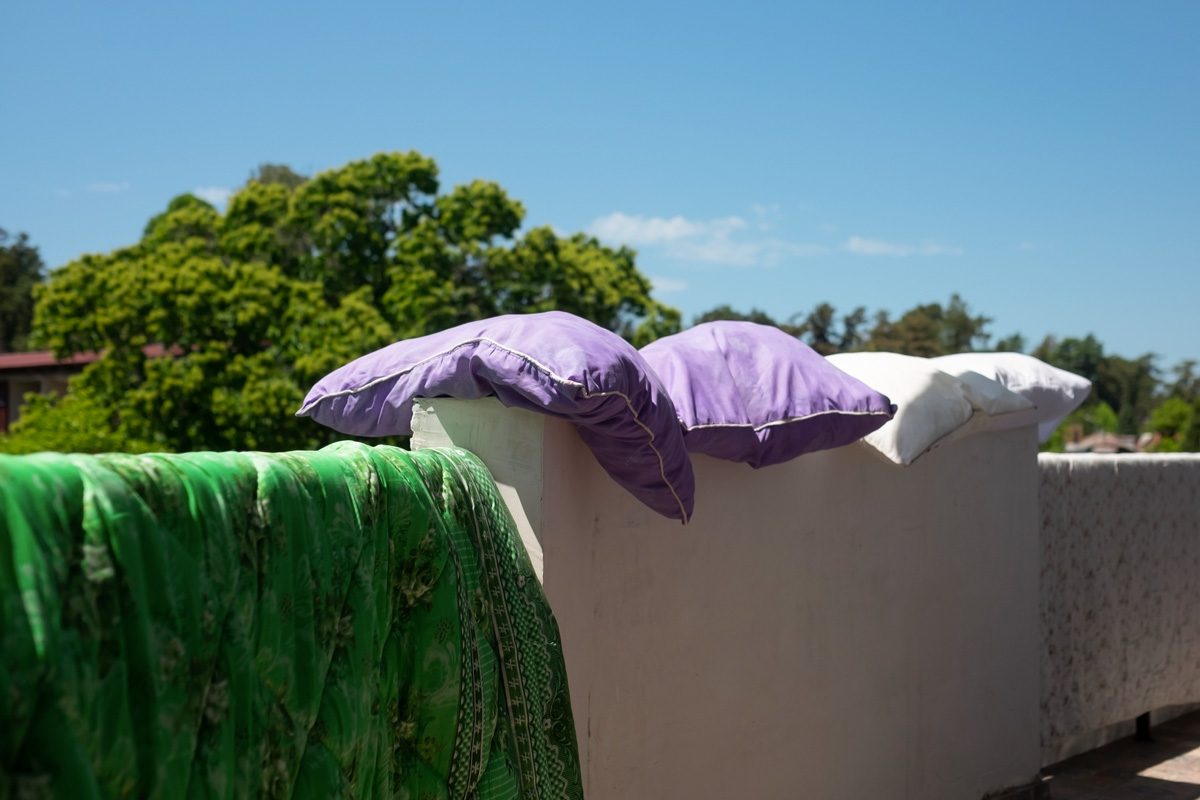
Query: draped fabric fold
352	622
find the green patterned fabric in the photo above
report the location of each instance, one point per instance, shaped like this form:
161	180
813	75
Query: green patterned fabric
354	622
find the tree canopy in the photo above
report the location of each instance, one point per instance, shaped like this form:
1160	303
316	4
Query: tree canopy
21	270
929	329
214	325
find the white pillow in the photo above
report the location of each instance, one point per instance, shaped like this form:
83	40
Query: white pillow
930	405
1055	392
990	396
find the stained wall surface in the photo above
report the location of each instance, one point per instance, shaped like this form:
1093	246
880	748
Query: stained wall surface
835	627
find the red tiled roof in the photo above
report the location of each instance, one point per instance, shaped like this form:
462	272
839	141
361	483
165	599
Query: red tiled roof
35	359
42	358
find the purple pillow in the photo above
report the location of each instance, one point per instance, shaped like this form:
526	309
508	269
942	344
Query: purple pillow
555	363
749	392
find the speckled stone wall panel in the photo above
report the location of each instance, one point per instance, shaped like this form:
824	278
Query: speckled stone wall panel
1120	592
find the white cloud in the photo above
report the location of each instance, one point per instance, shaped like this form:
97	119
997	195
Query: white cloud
863	246
736	242
664	285
635	229
107	187
766	214
724	240
1026	246
217	195
759	253
716	249
777	249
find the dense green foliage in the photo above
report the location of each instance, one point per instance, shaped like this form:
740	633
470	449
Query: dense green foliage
76	423
1129	395
294	278
20	271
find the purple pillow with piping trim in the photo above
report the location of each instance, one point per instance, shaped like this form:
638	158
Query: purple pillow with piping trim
749	392
554	363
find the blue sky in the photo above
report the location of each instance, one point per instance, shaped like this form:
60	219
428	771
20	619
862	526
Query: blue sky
1041	159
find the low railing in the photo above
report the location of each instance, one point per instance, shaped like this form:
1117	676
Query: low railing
835	627
840	627
1120	593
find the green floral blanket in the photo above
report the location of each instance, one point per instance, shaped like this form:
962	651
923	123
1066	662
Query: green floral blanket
353	622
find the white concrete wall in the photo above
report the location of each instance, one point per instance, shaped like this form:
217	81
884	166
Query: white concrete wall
836	627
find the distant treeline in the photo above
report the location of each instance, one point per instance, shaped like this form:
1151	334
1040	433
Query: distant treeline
1129	395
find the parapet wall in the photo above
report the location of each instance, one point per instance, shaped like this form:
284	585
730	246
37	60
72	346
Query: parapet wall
835	627
1120	593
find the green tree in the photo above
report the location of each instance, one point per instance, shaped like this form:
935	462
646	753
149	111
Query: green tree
1081	356
926	330
930	330
916	333
1173	417
1013	343
1186	383
1133	384
820	329
1128	385
1101	417
961	331
725	312
75	422
277	173
1190	438
214	324
21	270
